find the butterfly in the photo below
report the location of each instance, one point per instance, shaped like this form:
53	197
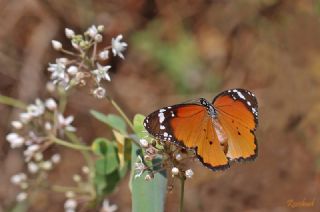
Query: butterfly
219	132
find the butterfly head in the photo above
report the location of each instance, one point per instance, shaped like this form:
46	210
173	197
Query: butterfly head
211	110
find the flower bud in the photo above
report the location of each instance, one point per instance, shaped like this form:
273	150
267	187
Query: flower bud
73	70
56	158
21	196
51	104
57	45
17	125
178	157
144	143
69	33
175	171
98	38
104	55
100	28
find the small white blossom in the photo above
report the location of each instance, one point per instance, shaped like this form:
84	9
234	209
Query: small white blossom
51	104
178	157
56	158
65	123
69	33
92	31
117	46
33	167
21	196
102	72
18	178
62	60
73	70
76	178
58	71
85	169
31	150
37	109
38	156
104	55
139	167
100	28
189	173
17	125
48	126
107	207
15	140
50	87
46	165
70	194
175	171
70	204
98	38
148	177
57	45
144	143
99	92
25	117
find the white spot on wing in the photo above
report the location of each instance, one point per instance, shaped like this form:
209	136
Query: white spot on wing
162	110
165	134
162	127
161	117
241	95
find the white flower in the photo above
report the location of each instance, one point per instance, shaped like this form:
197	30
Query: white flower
37	109
92	31
69	33
51	104
70	194
33	167
25	117
104	55
15	140
189	173
18	178
65	123
144	143
46	165
178	156
31	150
56	158
102	72
70	204
17	125
21	196
85	169
58	71
72	70
76	178
139	167
98	38
117	46
38	156
99	92
107	207
47	126
57	45
175	171
100	28
62	60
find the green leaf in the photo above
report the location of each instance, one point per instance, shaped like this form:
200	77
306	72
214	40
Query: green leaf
108	150
105	184
112	120
146	196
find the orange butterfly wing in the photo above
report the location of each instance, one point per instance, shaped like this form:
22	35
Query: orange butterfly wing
190	126
237	112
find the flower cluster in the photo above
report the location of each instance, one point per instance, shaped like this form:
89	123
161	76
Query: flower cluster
86	62
170	157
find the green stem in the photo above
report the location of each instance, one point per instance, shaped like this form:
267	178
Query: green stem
117	107
182	180
70	145
12	102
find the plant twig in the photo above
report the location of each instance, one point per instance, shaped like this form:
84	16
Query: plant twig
70	145
182	180
12	102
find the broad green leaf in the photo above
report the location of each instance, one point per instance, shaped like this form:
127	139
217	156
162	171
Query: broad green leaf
114	121
146	195
105	184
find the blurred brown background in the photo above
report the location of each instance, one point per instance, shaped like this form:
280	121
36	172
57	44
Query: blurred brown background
179	50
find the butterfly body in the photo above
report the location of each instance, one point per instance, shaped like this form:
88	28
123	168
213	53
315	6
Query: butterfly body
220	132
